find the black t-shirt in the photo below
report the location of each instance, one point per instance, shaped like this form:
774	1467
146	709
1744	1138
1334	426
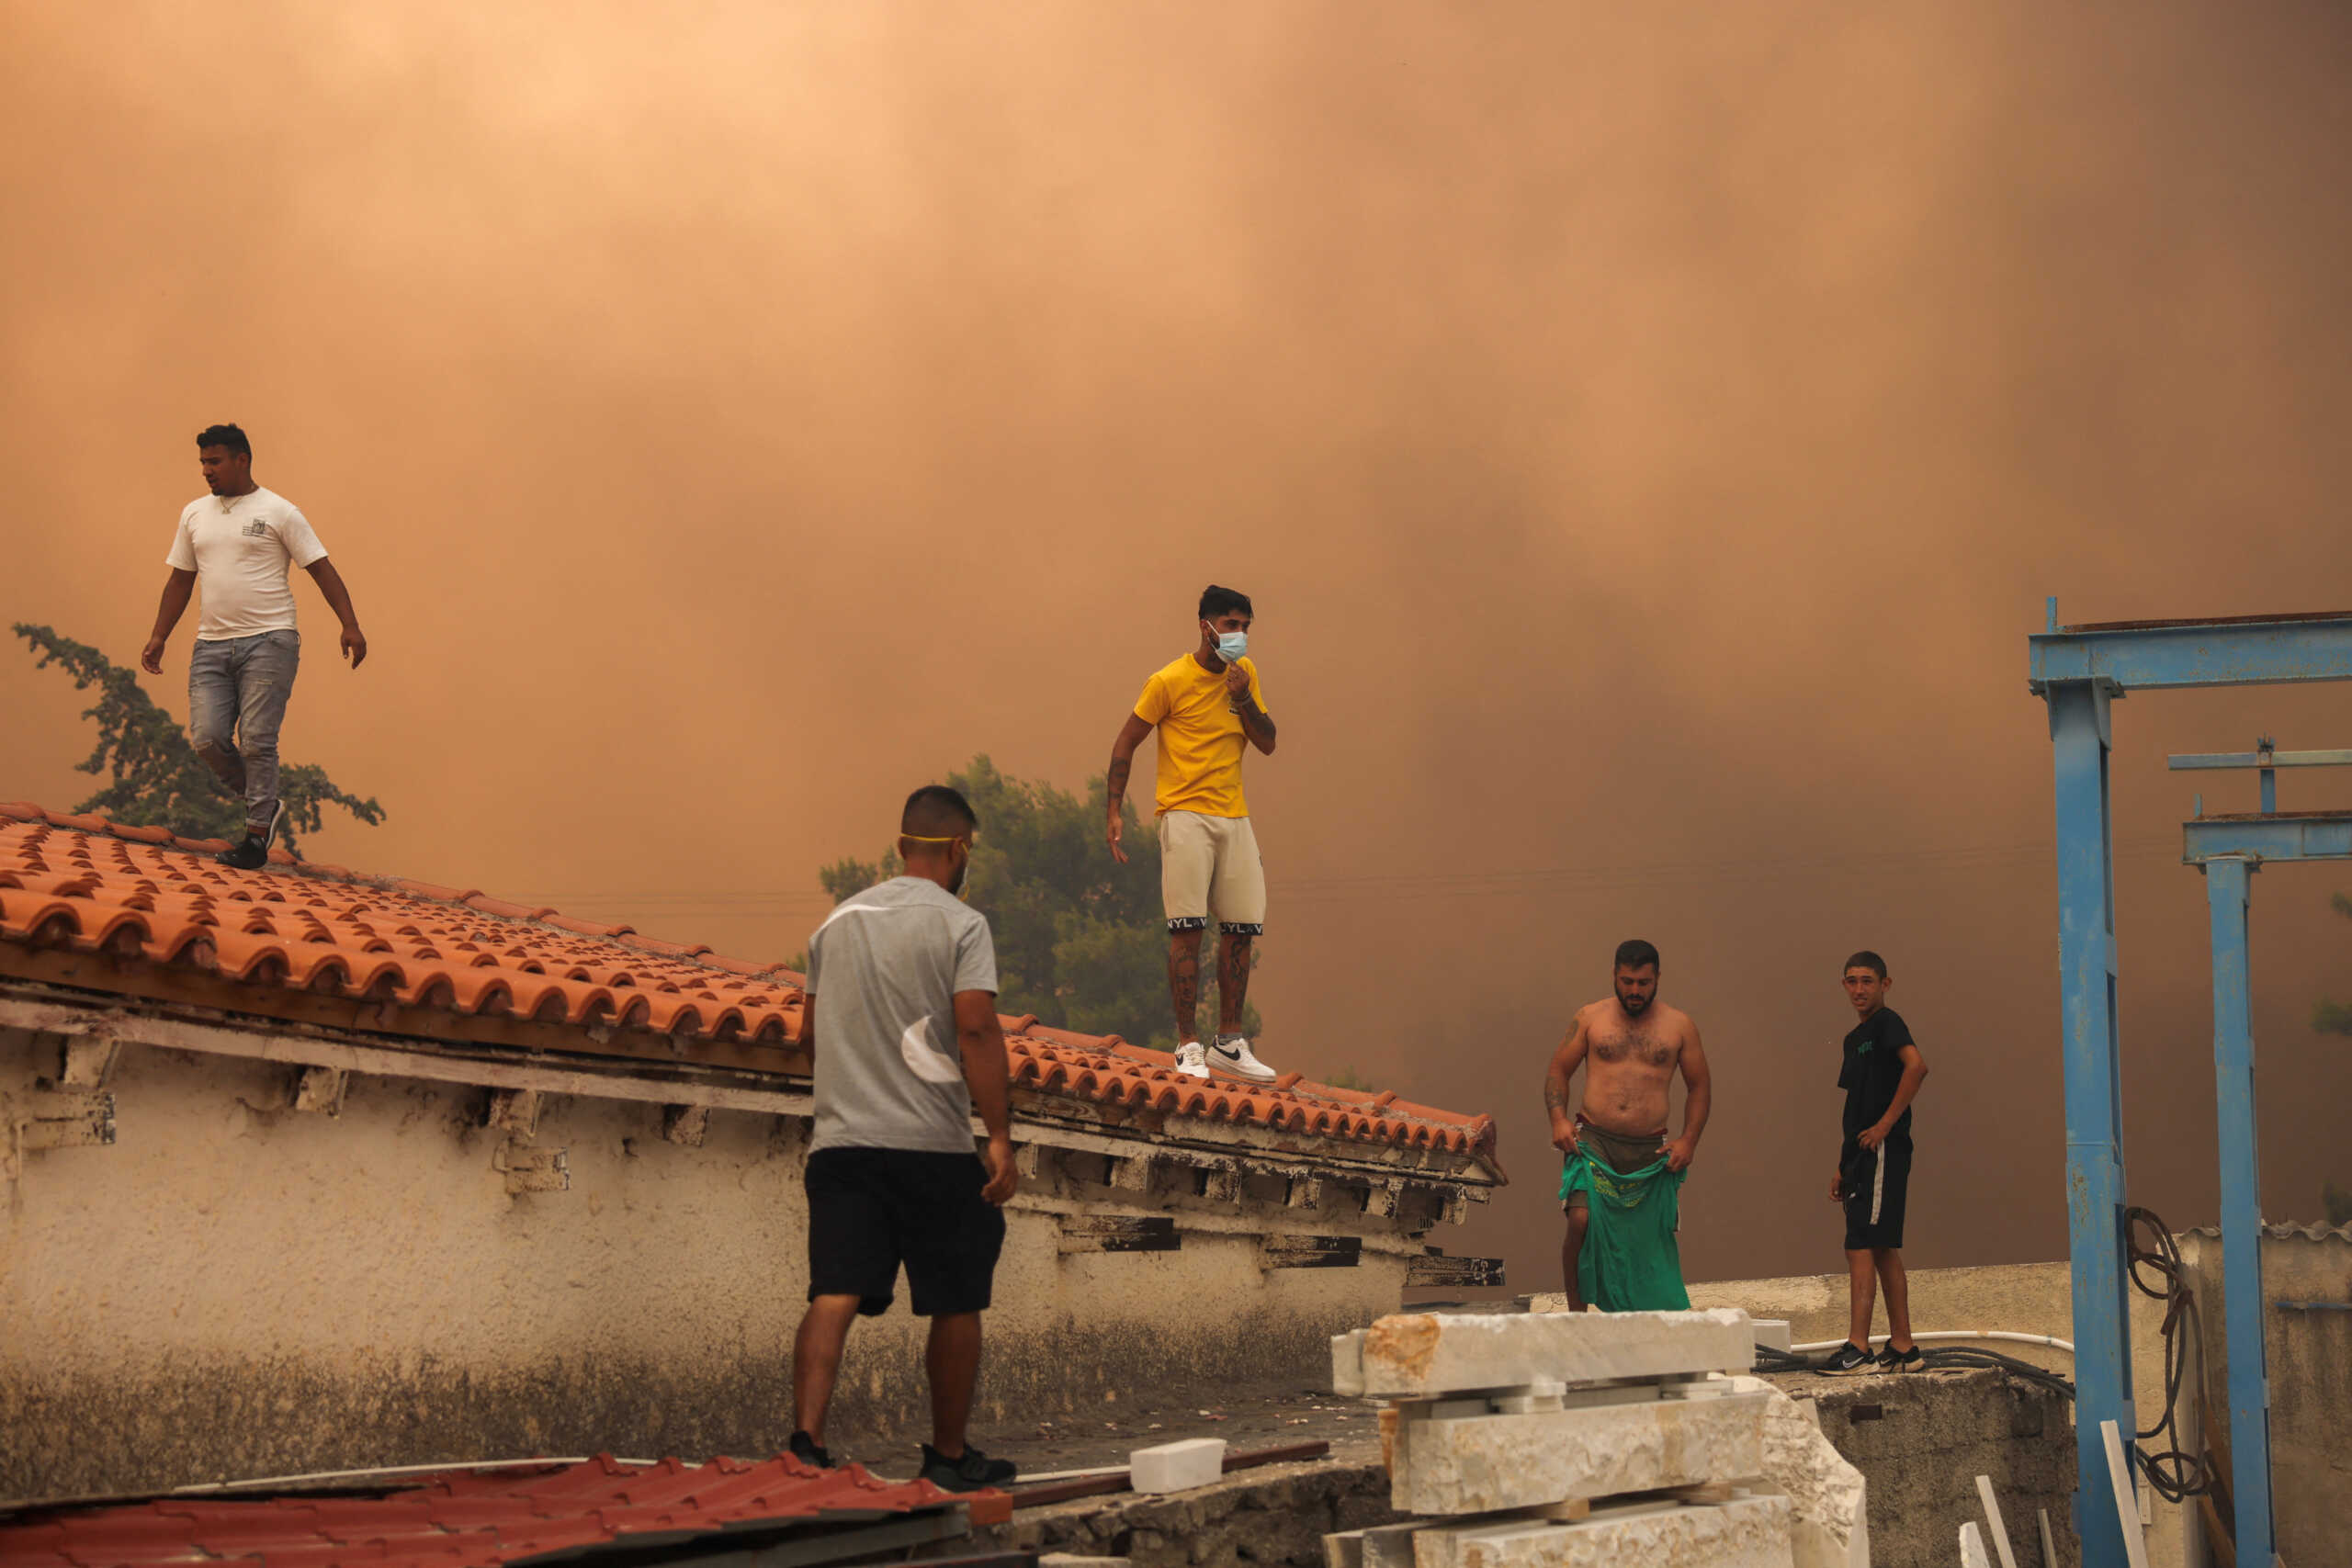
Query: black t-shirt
1874	1071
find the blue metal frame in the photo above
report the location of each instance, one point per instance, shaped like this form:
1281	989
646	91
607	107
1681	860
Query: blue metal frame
2230	850
2080	672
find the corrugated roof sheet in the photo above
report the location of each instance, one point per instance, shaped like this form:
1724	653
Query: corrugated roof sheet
295	934
463	1520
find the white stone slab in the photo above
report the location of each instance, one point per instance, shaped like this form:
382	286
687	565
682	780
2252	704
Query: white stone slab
1745	1532
1484	1464
1771	1331
1347	1363
1177	1467
1415	1355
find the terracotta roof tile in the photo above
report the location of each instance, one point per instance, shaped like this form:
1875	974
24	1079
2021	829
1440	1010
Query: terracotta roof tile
82	885
467	1519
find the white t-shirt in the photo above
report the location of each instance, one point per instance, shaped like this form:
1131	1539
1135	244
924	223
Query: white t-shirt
238	547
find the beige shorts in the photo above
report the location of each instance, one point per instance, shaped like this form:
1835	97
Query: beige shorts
1208	862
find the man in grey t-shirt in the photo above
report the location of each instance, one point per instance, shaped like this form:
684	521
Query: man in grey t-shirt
900	1013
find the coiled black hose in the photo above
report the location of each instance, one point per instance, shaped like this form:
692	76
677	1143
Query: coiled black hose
2173	1474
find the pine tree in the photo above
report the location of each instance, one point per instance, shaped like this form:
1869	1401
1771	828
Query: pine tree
155	777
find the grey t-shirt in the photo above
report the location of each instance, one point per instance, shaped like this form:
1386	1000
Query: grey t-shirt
885	967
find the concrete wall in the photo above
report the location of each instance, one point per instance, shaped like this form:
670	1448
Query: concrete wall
236	1288
1921	1440
2310	1357
2030	1298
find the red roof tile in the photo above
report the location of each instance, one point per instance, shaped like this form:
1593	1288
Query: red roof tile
293	937
464	1518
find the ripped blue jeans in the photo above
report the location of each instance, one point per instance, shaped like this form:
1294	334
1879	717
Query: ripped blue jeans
237	691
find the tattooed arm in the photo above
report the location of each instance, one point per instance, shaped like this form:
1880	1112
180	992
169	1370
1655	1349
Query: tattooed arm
1256	723
1114	778
1565	1061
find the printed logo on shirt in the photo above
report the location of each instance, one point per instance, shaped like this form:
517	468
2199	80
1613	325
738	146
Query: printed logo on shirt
257	529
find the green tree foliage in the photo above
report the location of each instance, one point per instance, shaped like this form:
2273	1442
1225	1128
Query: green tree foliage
1080	940
155	777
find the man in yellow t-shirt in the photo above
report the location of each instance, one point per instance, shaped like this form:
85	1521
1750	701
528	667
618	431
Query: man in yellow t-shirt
1208	710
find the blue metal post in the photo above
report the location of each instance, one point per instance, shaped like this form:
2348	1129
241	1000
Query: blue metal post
2080	737
2226	889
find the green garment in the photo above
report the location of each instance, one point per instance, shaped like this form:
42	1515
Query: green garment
1629	1261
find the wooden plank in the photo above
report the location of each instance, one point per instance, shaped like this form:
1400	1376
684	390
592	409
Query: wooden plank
1972	1547
2000	1532
2049	1546
1120	1233
1103	1485
1436	1268
1311	1252
2127	1502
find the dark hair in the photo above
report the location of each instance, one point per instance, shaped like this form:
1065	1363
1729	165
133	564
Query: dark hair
1633	952
227	436
1868	960
1216	602
936	811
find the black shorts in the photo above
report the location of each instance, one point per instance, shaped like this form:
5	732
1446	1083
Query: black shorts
1876	1184
872	1209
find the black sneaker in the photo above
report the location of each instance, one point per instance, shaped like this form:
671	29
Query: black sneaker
804	1449
1893	1361
968	1472
1850	1358
250	855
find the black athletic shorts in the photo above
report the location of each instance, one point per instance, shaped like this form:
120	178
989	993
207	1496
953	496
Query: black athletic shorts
872	1209
1876	1182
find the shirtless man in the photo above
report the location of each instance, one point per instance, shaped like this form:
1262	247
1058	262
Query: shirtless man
1630	1046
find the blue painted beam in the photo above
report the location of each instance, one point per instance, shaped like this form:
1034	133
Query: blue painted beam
2188	759
2153	655
2080	740
2302	835
2249	1390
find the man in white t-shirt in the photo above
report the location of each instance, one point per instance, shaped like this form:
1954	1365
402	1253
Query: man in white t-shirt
235	544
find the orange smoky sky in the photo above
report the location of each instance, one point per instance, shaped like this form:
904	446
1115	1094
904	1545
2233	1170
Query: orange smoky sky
1648	433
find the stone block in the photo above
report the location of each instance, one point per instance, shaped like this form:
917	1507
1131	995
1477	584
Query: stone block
1176	1467
1415	1355
1771	1331
1744	1532
1487	1464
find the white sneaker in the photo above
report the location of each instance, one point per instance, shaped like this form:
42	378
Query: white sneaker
1190	1060
1230	1056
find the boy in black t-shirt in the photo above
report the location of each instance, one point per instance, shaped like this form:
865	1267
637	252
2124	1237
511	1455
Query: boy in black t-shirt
1881	1073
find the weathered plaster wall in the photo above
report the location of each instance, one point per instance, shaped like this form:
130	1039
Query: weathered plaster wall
2027	1297
236	1288
2309	1353
1922	1438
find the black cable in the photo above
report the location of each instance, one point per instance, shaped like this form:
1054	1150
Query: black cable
1943	1357
2172	1475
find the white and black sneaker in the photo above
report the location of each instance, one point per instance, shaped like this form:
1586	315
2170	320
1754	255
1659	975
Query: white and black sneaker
1850	1357
1191	1060
1230	1056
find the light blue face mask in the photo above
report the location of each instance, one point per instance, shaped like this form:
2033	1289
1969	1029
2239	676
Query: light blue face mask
1231	646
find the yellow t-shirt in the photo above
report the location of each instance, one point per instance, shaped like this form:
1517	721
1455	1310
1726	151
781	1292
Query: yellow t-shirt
1201	740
